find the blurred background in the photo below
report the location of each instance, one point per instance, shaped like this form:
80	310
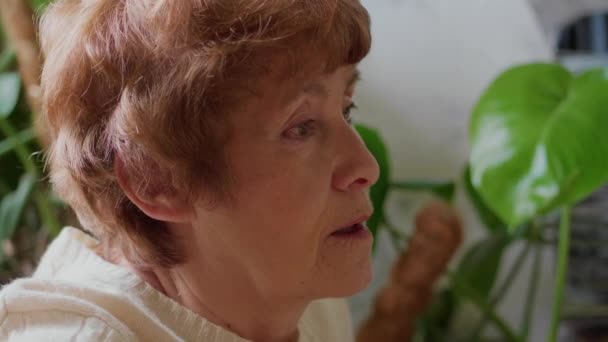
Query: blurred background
431	61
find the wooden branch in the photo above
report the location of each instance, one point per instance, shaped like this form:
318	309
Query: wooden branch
19	26
437	236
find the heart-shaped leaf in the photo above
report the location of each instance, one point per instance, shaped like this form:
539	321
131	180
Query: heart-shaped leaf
378	192
10	87
490	221
538	140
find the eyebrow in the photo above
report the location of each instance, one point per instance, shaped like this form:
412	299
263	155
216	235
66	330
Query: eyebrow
316	89
320	90
356	77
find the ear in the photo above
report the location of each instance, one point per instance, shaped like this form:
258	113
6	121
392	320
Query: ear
159	205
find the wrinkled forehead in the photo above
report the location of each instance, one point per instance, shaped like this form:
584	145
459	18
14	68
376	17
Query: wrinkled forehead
278	90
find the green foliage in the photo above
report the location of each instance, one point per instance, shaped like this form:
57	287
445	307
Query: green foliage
21	138
13	204
434	325
443	190
6	59
488	217
10	86
480	264
39	5
379	191
538	140
27	209
538	143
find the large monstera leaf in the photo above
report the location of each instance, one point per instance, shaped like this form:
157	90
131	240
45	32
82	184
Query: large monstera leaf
539	140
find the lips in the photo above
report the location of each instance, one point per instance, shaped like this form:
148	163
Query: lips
349	230
354	227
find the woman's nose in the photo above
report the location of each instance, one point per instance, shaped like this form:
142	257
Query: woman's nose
357	168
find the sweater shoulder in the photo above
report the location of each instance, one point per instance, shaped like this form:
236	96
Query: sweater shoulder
327	320
34	310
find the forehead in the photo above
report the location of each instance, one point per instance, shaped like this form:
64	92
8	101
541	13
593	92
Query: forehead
273	98
319	85
272	89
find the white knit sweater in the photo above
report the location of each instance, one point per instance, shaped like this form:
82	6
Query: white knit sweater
75	295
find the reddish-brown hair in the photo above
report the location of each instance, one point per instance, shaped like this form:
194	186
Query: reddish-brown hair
151	82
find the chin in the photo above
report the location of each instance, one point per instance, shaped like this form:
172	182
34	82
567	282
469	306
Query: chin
350	283
361	283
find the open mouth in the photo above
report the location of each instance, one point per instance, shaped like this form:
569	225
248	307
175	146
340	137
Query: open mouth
355	228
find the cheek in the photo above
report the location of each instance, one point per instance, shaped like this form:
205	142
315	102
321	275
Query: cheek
286	190
289	212
289	205
285	198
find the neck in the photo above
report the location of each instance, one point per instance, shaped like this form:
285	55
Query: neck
224	294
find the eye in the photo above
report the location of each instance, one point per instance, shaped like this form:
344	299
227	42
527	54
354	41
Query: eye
347	112
301	131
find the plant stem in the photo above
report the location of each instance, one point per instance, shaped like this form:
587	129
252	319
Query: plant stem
562	270
528	316
511	275
42	204
22	137
464	291
503	289
419	185
444	190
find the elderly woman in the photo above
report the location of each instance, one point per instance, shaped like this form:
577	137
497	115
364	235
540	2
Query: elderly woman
207	149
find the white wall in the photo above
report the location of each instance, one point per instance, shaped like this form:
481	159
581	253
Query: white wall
430	61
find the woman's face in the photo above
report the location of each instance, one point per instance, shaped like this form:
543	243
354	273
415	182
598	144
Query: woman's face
301	174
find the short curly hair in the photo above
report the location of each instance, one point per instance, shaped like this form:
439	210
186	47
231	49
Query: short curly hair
152	82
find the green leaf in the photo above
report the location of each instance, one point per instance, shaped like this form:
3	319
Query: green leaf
4	188
539	142
6	59
443	190
441	311
379	191
22	137
39	5
10	87
479	266
486	215
12	206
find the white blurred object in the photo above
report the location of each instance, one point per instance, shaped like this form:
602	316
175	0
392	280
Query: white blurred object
429	63
580	62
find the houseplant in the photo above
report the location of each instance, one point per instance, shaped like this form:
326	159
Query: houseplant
537	146
29	214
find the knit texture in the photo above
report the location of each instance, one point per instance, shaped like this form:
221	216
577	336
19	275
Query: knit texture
75	295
